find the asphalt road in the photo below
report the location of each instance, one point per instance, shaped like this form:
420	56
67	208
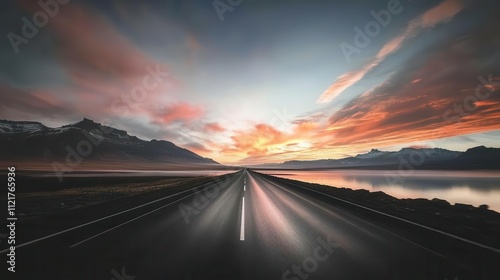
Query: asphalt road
247	226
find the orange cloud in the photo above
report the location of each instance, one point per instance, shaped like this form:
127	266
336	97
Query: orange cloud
444	104
178	112
444	93
264	143
258	141
344	82
103	67
101	63
94	53
439	14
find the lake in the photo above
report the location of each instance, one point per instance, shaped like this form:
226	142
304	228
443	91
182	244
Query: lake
468	187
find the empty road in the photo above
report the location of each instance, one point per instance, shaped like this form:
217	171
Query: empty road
246	226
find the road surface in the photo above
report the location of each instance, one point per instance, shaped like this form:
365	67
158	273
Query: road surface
246	226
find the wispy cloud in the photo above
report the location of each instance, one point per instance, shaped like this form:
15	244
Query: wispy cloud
103	67
439	14
419	101
425	100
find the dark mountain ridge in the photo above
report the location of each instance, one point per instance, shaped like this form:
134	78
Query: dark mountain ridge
88	139
477	158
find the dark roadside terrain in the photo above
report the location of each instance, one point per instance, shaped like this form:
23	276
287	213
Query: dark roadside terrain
200	228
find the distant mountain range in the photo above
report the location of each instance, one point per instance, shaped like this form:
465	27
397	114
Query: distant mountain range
478	158
93	142
20	140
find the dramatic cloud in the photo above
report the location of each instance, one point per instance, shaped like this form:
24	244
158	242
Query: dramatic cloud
263	142
439	14
428	98
433	99
163	70
108	76
258	141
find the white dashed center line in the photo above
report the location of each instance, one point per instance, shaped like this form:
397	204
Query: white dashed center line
242	230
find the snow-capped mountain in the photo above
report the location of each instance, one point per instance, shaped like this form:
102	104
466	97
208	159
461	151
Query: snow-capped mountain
88	139
20	127
374	153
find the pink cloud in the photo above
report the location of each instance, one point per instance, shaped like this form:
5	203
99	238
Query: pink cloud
178	112
104	67
439	14
214	127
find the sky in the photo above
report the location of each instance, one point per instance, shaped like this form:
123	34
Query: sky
248	82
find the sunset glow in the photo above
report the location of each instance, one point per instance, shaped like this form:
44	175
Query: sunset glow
283	91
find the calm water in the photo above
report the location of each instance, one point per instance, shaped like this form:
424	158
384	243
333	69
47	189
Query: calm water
468	187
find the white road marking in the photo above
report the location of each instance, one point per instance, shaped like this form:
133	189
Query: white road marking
407	221
129	221
101	219
374	225
242	230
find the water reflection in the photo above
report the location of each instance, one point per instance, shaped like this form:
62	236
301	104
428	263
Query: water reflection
469	187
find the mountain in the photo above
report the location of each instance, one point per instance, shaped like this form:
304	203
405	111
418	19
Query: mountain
33	141
19	127
475	158
376	158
